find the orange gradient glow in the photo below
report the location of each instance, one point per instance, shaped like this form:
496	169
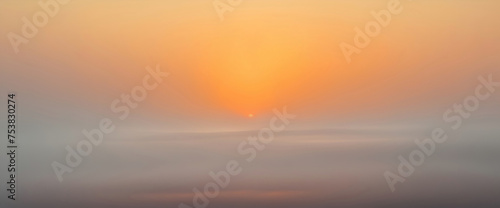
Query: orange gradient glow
265	53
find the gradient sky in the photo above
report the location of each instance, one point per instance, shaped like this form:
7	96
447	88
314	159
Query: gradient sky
353	120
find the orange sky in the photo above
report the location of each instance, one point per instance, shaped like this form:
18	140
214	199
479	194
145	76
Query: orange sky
265	53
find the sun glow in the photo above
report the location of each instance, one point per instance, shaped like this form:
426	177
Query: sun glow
253	72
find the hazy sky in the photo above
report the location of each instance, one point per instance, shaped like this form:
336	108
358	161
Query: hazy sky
353	119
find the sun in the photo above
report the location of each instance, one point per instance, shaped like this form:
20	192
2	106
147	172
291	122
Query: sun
250	115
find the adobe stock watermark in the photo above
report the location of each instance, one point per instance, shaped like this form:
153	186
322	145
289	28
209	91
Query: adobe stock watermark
121	107
248	148
454	116
372	29
223	6
30	27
